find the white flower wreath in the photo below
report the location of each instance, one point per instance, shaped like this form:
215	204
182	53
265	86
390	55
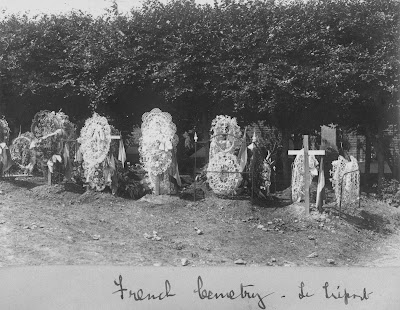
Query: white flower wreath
349	189
298	174
95	140
156	143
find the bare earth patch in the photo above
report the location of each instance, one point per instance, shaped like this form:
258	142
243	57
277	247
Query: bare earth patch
62	224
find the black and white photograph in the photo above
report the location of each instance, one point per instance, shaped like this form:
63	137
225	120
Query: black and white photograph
200	133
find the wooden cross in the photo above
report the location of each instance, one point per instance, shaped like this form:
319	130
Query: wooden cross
306	152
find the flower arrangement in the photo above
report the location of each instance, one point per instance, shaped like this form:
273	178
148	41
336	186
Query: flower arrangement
157	142
298	174
99	176
226	138
95	140
4	131
98	152
347	172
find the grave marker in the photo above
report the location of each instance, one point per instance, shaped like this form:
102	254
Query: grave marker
306	152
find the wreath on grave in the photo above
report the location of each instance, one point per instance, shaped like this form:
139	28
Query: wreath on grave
298	174
223	173
225	135
157	142
99	176
349	189
95	140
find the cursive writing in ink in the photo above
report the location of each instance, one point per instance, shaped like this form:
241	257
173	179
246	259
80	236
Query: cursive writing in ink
301	294
139	295
207	294
121	289
345	295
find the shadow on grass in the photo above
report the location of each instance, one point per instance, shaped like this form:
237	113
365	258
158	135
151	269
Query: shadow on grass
272	202
367	220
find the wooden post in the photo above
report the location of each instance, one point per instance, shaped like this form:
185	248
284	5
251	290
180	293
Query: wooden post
48	176
157	185
306	176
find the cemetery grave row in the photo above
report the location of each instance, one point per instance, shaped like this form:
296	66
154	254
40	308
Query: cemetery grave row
98	156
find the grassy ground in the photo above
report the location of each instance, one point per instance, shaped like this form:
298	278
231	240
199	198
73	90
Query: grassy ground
61	224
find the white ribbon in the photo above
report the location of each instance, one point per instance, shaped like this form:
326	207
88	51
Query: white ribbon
50	165
50	162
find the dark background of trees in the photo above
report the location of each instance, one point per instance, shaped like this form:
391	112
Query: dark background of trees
297	66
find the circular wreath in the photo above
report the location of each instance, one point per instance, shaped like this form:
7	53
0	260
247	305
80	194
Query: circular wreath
4	131
95	140
20	150
225	135
223	174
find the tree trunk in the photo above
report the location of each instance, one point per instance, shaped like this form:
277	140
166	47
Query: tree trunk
284	156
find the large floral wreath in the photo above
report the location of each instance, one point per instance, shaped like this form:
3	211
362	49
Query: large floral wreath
347	172
298	182
99	176
95	140
156	143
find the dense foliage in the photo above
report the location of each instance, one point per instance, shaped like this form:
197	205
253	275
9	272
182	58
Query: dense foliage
295	64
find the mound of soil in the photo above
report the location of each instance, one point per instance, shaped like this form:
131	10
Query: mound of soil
68	191
70	226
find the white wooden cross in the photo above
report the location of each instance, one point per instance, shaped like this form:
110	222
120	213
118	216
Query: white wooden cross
306	170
